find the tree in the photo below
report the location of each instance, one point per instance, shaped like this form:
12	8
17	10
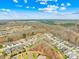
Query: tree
1	46
33	33
9	39
24	35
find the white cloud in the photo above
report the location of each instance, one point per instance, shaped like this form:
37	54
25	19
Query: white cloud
33	7
15	1
4	13
43	2
45	9
62	8
5	10
19	5
25	1
56	12
53	7
27	7
77	12
46	0
68	4
50	8
37	15
62	4
55	0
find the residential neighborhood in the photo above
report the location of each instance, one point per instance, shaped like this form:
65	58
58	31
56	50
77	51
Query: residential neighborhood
28	42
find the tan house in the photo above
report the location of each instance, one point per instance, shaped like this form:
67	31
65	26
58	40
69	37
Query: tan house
2	39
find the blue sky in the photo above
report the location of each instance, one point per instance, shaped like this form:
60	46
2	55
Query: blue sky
39	9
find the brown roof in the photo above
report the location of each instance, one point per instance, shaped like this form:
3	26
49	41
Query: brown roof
2	39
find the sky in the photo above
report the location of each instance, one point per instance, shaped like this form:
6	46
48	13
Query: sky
39	9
